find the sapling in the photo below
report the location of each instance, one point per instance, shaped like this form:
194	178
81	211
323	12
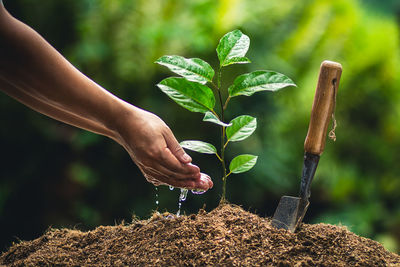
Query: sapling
199	87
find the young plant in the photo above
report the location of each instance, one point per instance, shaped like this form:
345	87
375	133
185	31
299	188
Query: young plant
191	92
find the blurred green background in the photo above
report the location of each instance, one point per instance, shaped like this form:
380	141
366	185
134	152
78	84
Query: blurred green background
56	175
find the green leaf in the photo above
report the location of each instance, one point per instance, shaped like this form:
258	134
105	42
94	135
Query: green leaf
190	95
232	48
199	146
262	80
237	60
210	117
193	69
242	163
242	127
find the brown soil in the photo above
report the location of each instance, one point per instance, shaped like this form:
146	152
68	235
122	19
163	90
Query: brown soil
227	235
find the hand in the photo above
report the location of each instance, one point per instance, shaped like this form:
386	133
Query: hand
153	147
59	90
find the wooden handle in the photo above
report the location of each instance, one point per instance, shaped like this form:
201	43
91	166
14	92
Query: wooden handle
323	106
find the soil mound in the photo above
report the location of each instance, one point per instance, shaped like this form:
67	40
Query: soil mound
227	235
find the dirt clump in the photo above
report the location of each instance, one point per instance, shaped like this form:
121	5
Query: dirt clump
227	236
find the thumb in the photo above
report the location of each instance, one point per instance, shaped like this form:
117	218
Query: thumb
176	148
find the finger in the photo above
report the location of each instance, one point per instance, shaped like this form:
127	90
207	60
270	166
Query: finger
161	170
203	183
170	162
156	177
200	184
207	180
176	148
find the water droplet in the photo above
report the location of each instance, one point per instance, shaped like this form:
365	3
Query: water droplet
179	209
183	195
169	216
171	188
198	191
157	202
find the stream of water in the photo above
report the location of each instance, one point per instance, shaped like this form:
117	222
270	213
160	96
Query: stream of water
182	196
157	202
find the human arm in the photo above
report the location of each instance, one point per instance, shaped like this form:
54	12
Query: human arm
35	74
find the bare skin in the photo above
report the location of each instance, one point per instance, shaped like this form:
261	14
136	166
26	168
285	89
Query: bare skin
35	74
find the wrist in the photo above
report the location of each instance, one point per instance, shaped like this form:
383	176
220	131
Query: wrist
123	114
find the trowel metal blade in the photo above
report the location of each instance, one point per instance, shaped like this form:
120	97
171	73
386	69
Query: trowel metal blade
289	213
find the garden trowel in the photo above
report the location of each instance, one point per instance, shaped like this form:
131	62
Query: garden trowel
291	210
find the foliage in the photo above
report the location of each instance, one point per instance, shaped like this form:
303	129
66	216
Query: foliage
116	42
190	93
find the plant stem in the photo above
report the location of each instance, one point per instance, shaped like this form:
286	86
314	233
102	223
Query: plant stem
226	102
216	115
214	86
222	106
219	78
218	157
227	141
223	197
